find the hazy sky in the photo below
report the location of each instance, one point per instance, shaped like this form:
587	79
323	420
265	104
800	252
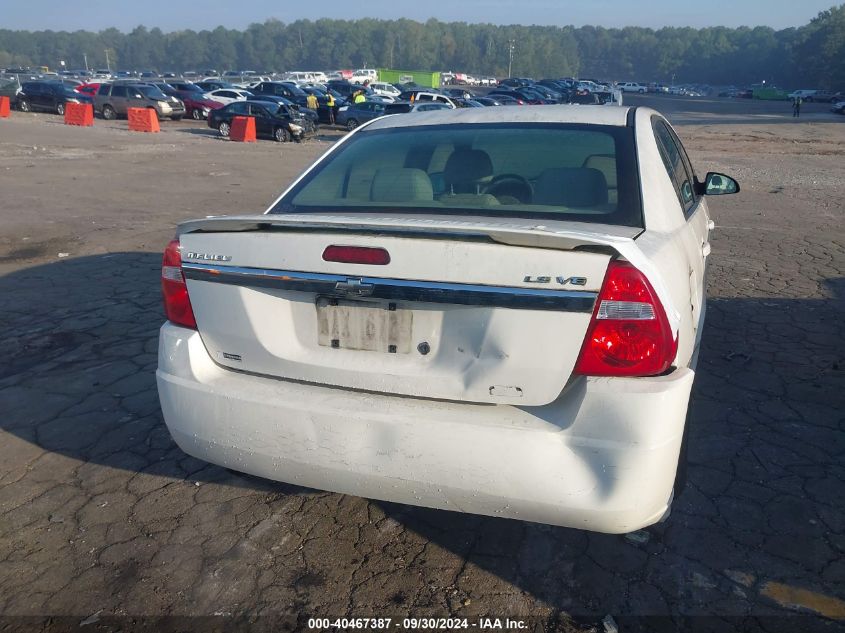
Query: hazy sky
172	15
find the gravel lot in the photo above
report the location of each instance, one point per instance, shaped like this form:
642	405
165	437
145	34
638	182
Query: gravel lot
105	523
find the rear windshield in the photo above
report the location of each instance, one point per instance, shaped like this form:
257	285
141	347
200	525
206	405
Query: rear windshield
585	173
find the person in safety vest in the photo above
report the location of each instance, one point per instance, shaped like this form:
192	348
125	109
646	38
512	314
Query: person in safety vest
330	105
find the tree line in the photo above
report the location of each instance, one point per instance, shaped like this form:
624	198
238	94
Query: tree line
812	55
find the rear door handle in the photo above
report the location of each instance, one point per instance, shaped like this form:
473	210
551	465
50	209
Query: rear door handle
705	249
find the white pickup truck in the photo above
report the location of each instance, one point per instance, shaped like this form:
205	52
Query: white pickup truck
488	310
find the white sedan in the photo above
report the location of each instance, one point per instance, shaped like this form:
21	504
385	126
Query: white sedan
488	310
228	95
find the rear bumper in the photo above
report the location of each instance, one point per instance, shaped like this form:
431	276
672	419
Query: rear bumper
602	457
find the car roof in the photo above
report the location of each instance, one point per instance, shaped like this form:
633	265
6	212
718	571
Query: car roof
584	114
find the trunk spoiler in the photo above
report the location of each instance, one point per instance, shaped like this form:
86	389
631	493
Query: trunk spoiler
554	234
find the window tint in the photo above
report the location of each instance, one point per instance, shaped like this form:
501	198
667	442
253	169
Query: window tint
118	91
239	107
104	89
673	160
684	158
257	110
586	173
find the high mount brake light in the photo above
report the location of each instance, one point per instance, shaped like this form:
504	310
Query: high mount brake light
629	334
356	255
177	304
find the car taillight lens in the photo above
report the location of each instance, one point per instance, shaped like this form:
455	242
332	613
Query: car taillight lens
629	334
177	304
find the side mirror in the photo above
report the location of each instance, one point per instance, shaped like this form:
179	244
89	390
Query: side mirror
716	184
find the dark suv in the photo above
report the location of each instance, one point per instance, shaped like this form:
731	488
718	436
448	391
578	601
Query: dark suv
50	96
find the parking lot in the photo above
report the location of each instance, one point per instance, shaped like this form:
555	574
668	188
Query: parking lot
104	521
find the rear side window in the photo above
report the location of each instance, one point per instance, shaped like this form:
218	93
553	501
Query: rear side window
118	91
256	110
585	173
104	89
676	163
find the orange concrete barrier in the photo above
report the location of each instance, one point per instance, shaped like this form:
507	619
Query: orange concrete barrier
79	114
142	119
243	129
5	106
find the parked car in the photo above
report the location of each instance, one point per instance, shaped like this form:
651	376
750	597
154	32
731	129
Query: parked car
9	87
804	95
385	89
114	99
458	93
632	86
331	344
545	93
519	97
823	96
354	114
838	108
187	88
271	120
346	89
303	116
48	96
226	96
214	84
196	105
403	107
426	96
89	90
489	101
515	82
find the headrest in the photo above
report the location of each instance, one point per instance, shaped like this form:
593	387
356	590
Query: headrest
467	166
571	187
606	164
401	184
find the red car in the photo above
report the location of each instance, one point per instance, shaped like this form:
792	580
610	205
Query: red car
89	90
198	109
195	106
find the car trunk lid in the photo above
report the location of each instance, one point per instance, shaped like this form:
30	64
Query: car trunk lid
480	310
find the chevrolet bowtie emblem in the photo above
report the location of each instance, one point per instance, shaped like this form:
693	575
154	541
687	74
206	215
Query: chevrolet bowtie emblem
354	288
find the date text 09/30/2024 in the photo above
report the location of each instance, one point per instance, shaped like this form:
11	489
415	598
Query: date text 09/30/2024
481	624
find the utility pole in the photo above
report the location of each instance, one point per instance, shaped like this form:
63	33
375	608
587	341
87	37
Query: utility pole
85	55
108	65
511	45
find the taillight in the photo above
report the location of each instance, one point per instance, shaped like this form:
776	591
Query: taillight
177	304
356	255
629	334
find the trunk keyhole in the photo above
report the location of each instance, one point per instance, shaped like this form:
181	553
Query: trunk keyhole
423	348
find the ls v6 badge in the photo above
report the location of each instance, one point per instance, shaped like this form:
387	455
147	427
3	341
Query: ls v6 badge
573	281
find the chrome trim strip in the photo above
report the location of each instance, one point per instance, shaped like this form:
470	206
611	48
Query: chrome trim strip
347	286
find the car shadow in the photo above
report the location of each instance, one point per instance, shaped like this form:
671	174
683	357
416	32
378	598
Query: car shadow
200	131
80	340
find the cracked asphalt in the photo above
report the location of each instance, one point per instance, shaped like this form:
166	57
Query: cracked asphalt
106	525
